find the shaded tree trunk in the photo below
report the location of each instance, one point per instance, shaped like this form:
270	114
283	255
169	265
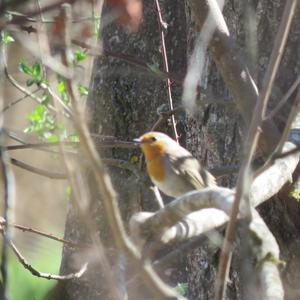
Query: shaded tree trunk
123	102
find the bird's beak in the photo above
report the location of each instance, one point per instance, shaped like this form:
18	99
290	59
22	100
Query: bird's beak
137	141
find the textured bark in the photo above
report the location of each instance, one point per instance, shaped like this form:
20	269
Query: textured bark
123	102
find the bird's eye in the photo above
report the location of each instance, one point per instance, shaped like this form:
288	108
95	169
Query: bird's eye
153	139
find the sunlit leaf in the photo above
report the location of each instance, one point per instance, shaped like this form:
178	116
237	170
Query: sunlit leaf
7	38
83	90
80	55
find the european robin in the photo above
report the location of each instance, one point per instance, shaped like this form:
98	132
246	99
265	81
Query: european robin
172	168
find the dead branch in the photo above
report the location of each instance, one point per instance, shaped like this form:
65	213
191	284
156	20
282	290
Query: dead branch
35	170
163	26
41	233
48	276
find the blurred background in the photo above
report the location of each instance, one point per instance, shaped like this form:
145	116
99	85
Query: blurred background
40	202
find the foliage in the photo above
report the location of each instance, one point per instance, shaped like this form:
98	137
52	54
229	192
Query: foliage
79	55
43	123
295	194
35	72
7	38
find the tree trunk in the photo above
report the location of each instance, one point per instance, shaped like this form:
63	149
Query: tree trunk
123	102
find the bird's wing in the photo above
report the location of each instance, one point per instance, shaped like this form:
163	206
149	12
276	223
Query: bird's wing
189	168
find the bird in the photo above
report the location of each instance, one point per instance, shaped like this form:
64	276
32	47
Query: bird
172	168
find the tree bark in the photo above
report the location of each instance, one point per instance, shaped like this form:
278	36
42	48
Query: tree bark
123	102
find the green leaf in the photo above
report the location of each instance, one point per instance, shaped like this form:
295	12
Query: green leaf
61	87
7	38
52	138
83	90
63	92
73	138
45	99
68	192
295	193
80	55
25	68
30	82
37	71
42	122
37	114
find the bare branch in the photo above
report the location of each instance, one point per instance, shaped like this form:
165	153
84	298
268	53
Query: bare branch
284	99
190	225
267	256
13	103
48	276
162	27
41	233
97	51
35	170
197	60
213	197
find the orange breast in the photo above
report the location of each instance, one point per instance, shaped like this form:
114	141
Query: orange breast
154	153
155	169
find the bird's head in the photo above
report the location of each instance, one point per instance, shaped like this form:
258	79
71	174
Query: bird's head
154	144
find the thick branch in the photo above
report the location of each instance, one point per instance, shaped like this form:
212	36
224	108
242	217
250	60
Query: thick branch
267	259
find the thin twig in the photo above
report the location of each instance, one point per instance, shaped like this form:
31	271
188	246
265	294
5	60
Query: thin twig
158	198
48	276
40	145
162	27
59	100
277	153
41	233
284	99
287	153
129	59
35	170
13	103
243	181
20	19
101	142
26	18
204	100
